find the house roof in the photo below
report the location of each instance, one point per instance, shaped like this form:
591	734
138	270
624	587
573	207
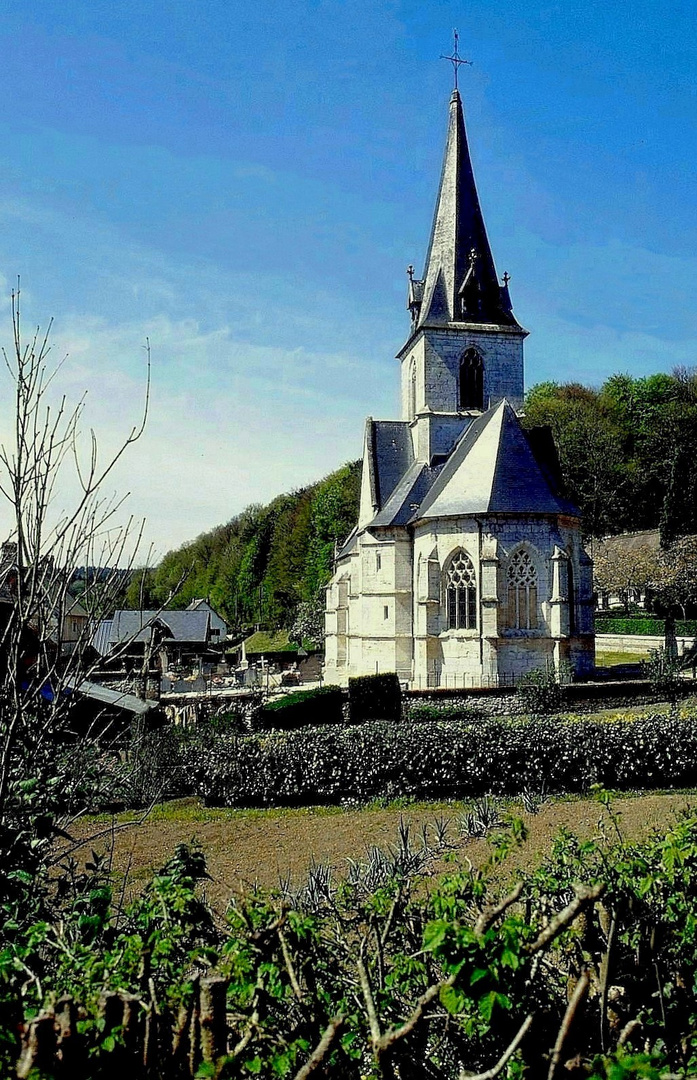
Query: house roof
100	639
114	698
77	610
630	543
182	626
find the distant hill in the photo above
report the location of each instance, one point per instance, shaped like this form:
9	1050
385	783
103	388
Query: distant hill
260	565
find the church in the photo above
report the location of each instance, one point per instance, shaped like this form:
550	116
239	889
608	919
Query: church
466	566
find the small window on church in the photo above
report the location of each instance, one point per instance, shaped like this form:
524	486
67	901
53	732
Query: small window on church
461	593
385	612
522	592
471	380
378	561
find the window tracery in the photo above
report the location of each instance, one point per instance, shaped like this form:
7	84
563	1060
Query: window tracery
522	592
461	593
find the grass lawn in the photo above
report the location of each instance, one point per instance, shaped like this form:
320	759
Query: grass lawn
611	659
248	847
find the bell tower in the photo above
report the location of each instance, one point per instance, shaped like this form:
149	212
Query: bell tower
465	348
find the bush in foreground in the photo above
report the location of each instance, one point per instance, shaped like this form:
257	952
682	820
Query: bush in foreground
352	982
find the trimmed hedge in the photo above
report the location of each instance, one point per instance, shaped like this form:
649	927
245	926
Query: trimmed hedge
301	708
644	624
455	759
375	697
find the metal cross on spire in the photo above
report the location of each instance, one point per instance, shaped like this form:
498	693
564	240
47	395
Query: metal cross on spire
455	59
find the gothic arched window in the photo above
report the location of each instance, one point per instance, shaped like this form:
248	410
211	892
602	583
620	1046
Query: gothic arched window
522	592
461	593
471	380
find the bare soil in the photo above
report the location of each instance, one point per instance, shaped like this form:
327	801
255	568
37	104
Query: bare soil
244	848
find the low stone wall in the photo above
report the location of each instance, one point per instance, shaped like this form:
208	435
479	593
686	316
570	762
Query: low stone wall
638	643
579	698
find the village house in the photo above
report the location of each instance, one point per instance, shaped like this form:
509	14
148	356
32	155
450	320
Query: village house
167	638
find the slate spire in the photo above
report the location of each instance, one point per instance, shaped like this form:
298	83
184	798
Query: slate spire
459	282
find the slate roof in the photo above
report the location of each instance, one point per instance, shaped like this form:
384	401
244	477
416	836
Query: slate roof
349	544
184	626
458	229
494	468
392	453
408	495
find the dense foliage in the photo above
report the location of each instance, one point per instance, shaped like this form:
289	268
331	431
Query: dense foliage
264	563
374	697
627	450
323	705
642	624
586	968
453	758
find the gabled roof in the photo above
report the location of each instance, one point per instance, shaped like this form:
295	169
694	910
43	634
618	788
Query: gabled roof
459	265
188	626
493	470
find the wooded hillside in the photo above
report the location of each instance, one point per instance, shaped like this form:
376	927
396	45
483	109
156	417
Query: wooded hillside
627	452
265	561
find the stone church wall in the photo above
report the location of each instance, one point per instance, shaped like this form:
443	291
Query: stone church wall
436	356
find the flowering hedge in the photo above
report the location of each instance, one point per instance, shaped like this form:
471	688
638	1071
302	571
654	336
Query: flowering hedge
454	759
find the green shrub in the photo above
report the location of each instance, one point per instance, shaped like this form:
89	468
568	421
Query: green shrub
644	624
540	692
446	759
421	713
302	708
631	624
375	697
663	672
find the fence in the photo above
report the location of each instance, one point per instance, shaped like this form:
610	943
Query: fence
442	680
149	1042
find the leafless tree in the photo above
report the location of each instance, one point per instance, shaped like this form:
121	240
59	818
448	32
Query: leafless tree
48	542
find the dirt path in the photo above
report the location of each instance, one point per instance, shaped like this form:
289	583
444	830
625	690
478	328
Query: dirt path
245	847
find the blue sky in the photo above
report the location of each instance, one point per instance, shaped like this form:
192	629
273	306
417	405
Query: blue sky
245	184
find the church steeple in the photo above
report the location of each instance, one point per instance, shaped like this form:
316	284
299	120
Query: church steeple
459	283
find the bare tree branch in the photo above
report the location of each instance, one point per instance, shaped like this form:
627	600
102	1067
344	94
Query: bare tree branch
322	1049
